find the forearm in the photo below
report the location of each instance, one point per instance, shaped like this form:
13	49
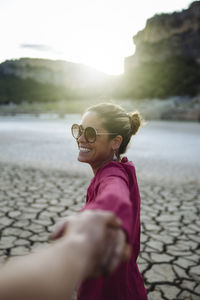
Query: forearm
85	247
50	274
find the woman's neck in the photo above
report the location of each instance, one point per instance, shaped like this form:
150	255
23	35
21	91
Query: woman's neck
96	167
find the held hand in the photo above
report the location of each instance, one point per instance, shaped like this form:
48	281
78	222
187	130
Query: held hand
103	241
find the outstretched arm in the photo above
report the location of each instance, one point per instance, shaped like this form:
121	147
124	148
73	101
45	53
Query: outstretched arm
52	272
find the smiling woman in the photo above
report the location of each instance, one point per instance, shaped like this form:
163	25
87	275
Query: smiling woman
102	138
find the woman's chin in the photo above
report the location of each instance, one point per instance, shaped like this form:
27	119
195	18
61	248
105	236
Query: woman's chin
83	157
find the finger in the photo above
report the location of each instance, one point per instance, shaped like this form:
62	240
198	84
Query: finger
59	231
61	227
109	247
113	251
122	256
118	251
109	218
126	252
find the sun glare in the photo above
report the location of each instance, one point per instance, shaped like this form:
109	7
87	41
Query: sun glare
97	33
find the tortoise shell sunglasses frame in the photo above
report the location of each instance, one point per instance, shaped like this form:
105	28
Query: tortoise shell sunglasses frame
90	133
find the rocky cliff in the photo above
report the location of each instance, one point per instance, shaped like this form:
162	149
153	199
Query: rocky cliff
167	58
168	35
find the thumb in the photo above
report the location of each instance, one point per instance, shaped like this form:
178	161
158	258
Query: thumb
59	231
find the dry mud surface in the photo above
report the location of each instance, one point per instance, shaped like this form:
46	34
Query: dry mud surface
37	189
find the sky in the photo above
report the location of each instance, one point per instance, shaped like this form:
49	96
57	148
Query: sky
97	33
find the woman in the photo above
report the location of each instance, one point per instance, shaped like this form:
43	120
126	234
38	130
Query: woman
102	138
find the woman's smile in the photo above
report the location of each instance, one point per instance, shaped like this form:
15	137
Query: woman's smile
84	149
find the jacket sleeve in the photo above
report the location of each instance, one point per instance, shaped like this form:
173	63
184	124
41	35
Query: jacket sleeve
112	194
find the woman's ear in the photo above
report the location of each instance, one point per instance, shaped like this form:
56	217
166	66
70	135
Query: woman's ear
116	142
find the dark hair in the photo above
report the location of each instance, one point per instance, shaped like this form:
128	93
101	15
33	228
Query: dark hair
115	119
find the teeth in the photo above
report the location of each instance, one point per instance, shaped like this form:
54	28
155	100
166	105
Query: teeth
84	149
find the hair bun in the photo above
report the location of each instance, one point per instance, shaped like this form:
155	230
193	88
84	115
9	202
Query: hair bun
135	120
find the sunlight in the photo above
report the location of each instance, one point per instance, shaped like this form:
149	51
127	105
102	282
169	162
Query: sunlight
97	52
98	39
97	33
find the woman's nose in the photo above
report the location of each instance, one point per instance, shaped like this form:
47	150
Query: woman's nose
81	138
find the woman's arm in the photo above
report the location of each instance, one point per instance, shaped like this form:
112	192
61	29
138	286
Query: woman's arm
112	193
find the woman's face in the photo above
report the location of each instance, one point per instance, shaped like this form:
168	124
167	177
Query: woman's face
101	151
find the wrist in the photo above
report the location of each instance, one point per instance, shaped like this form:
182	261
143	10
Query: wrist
75	254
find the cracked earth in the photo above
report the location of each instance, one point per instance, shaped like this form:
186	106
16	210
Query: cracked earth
32	201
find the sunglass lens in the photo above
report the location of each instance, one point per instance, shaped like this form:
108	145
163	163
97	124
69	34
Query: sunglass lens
75	131
90	134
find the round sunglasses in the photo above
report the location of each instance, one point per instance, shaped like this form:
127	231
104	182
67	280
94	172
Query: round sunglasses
90	133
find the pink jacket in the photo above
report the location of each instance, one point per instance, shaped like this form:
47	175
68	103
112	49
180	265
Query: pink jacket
114	188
